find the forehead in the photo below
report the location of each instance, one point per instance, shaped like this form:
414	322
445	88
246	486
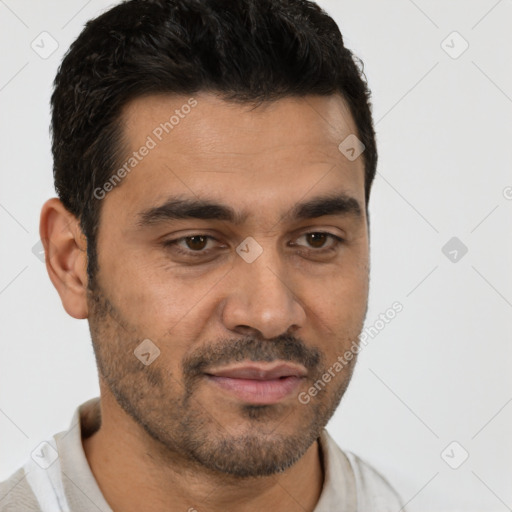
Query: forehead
254	159
204	119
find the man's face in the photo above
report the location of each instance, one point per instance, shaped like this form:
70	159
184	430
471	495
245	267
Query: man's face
239	338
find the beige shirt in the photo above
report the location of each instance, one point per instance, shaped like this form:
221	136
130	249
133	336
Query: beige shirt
57	476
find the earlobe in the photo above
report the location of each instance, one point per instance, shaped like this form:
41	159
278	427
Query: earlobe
66	256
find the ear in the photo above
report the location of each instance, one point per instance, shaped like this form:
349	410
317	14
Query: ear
65	248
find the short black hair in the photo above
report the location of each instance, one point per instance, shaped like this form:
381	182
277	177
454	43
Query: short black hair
249	51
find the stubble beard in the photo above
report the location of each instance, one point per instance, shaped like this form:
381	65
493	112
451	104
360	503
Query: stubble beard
183	427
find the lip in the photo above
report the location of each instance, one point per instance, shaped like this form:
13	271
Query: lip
258	383
260	371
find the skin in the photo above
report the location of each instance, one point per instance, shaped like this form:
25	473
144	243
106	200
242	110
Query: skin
169	438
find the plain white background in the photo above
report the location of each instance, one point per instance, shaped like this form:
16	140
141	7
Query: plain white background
440	371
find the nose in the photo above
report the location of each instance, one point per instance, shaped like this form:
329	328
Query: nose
262	298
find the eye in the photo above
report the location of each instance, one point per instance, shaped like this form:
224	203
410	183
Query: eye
193	245
317	240
196	245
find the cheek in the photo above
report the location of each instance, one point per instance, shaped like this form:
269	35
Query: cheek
339	313
159	305
345	288
338	309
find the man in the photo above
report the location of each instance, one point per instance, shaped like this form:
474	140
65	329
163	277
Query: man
213	161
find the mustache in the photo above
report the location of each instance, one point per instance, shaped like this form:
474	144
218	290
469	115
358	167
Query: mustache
286	348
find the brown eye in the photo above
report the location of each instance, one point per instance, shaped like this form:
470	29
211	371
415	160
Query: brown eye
192	246
316	240
196	242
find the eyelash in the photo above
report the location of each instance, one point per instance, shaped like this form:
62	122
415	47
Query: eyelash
196	254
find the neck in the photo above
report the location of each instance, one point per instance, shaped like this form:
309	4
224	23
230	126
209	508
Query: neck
132	476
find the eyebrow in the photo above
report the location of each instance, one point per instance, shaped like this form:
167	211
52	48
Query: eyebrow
179	208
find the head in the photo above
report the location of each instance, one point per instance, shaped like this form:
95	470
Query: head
211	212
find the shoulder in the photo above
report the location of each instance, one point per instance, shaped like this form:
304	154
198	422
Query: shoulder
374	492
350	475
16	494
